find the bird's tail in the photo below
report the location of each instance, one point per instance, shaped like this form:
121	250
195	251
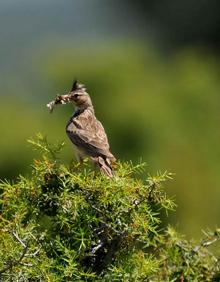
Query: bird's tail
105	166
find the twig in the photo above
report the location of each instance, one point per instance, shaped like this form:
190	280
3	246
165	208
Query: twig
24	253
96	248
13	263
18	239
35	253
205	243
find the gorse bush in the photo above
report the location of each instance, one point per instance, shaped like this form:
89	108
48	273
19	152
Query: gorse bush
74	224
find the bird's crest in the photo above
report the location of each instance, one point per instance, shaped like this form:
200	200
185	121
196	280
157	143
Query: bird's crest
77	86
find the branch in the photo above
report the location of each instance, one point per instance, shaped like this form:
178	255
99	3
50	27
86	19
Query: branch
16	262
24	253
205	243
18	239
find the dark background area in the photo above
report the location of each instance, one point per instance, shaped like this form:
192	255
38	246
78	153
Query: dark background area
152	69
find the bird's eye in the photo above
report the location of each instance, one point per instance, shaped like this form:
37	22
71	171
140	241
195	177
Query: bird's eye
76	95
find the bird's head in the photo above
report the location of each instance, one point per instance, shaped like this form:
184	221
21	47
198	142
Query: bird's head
79	96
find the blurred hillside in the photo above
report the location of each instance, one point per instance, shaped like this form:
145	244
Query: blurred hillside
158	104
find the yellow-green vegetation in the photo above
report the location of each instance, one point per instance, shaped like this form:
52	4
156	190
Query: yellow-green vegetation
159	107
73	224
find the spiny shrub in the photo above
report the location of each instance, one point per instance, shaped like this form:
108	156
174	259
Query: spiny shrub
74	224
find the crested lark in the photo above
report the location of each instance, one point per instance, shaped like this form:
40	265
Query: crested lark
84	130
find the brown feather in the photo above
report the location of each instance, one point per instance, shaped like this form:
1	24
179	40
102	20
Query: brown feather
87	133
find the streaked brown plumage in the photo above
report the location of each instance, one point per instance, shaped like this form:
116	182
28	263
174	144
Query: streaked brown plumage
85	131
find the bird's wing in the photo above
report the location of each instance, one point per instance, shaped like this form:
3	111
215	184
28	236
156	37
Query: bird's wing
86	132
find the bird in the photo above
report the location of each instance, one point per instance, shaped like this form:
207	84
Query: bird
86	132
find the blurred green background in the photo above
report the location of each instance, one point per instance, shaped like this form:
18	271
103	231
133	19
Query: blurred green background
152	69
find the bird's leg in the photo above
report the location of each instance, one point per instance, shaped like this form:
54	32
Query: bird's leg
79	157
95	163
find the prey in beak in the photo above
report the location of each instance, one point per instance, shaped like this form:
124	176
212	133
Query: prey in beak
77	95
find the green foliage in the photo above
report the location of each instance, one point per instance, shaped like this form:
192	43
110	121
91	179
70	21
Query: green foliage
74	224
169	102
